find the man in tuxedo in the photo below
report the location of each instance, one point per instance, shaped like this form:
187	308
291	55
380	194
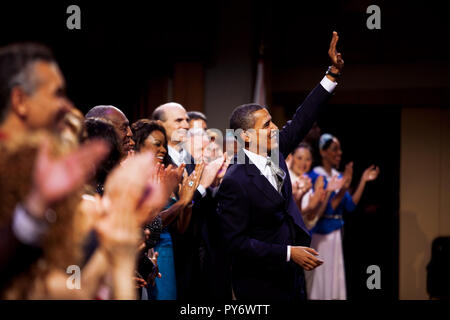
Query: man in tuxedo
263	227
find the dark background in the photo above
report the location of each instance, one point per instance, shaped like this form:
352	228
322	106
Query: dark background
124	49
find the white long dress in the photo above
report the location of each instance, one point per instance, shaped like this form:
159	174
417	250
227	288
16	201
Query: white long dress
327	282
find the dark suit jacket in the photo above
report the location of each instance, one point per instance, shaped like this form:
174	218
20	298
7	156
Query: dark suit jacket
258	222
201	264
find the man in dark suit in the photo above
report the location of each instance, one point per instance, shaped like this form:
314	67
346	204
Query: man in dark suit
263	227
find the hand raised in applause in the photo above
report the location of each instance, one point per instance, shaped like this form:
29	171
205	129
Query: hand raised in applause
371	173
210	172
55	178
190	184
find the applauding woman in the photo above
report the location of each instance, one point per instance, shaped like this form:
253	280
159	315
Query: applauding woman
327	282
151	136
311	200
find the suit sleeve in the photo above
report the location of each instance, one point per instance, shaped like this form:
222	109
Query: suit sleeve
296	129
233	210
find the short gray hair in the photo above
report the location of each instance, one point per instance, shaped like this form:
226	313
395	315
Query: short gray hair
17	63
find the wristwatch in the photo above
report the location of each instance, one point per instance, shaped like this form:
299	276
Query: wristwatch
334	75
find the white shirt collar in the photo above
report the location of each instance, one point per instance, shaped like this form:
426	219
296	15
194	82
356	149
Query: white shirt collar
259	161
177	157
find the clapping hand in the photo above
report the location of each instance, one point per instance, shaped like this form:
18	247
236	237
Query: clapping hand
163	183
125	203
55	178
190	184
210	172
222	170
170	177
335	183
319	192
301	186
371	173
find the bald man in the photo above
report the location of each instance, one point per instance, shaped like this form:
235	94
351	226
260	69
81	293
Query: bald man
175	120
120	123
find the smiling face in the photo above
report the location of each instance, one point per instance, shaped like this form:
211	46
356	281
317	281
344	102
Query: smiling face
123	130
156	142
301	161
332	154
263	136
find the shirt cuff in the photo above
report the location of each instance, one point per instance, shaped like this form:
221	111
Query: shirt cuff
327	84
288	253
202	190
27	229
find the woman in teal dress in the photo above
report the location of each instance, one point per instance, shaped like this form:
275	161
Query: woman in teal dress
151	136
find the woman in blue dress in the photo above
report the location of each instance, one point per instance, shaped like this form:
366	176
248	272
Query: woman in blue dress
327	282
151	136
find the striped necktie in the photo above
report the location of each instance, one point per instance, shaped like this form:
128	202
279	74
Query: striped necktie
279	174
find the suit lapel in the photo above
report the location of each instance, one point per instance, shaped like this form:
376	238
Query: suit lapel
260	181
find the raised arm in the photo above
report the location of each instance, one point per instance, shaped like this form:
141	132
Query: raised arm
296	129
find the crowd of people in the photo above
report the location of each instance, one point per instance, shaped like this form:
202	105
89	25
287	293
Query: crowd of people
157	209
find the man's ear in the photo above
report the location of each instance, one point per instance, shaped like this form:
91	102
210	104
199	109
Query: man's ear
245	136
18	102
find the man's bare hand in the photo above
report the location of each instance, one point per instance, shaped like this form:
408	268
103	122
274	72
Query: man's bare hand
305	257
336	57
210	172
